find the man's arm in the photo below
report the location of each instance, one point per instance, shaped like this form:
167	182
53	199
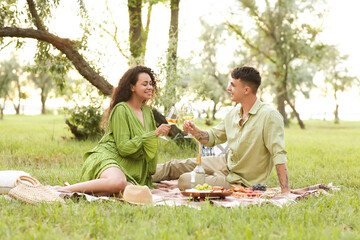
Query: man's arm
283	178
201	135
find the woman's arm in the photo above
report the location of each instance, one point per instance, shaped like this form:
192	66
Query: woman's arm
121	125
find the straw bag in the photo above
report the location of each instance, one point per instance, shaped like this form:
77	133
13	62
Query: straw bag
33	192
8	178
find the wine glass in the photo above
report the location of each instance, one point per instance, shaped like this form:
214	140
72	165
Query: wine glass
187	114
171	118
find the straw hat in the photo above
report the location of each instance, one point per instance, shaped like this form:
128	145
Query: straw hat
137	194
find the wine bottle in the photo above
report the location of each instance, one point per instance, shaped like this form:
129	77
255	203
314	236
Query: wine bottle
198	174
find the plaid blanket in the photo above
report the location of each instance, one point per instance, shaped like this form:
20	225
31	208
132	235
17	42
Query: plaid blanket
167	193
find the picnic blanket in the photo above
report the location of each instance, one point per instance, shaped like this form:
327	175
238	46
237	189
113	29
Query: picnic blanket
167	193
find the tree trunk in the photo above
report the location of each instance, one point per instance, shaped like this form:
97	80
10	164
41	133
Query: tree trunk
173	33
2	107
297	115
74	130
16	108
145	33
43	100
135	31
280	97
172	51
336	114
336	111
214	110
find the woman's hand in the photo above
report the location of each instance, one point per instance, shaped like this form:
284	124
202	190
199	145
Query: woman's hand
163	129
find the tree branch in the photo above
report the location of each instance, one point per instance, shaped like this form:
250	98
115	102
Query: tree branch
247	41
2	48
37	21
65	46
113	36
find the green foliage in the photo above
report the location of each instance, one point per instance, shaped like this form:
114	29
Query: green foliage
49	60
9	13
287	42
87	120
336	75
323	153
87	108
42	79
173	83
6	76
206	80
11	85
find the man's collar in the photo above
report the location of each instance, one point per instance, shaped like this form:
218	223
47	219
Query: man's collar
255	107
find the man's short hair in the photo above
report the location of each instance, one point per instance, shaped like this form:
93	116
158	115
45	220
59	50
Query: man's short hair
249	75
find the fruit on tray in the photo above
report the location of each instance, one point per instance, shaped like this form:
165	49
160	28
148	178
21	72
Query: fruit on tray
260	187
240	191
205	186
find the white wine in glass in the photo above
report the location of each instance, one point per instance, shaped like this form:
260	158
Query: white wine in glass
188	114
172	118
188	117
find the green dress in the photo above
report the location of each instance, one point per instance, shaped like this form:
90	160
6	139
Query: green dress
126	144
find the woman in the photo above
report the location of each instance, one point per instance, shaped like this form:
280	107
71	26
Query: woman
127	153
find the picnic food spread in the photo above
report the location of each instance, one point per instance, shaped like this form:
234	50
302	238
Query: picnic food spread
205	186
256	190
260	187
206	191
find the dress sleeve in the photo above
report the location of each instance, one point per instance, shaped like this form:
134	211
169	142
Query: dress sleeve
274	137
129	141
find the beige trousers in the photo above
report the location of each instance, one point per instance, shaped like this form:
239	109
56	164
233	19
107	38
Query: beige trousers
215	171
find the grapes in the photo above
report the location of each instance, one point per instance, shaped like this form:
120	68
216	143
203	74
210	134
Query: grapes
205	186
260	187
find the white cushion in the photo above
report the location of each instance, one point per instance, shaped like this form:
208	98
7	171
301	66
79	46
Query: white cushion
8	178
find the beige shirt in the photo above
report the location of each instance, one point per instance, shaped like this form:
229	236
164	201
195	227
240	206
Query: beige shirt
255	147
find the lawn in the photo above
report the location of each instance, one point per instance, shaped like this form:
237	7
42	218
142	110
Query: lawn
323	153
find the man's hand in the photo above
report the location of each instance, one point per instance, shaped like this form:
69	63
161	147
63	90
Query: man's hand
283	178
290	196
189	126
200	135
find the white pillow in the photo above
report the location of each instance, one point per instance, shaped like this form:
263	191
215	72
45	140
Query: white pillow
8	178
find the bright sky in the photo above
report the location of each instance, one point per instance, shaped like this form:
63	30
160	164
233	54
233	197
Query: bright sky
339	29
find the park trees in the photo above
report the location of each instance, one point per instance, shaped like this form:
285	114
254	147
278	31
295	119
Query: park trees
11	84
43	80
138	34
336	75
287	43
207	80
6	76
28	22
172	75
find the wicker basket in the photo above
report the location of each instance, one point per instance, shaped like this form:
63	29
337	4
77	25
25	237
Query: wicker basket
33	192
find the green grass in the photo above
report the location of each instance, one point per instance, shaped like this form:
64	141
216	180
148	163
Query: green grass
322	153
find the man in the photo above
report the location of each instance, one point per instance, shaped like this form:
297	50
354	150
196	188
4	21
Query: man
255	135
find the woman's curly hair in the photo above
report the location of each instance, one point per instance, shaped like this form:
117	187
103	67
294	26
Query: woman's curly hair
122	92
